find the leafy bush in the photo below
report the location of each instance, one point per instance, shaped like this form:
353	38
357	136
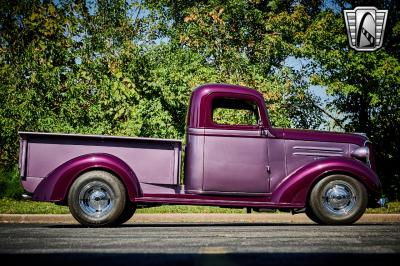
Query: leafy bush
10	185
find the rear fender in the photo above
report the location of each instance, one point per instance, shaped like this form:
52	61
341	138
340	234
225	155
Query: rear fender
56	185
295	187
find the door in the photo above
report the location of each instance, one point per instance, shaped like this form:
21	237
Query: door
235	151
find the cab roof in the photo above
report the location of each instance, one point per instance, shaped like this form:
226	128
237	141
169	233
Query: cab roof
197	101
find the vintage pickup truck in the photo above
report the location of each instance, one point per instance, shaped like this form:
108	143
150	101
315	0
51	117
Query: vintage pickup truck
237	161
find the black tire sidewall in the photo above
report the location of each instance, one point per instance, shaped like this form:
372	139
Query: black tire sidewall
323	215
311	215
119	199
127	213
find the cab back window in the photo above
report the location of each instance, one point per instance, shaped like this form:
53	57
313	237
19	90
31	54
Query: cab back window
226	111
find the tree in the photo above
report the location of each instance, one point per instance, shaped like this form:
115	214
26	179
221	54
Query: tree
246	43
365	90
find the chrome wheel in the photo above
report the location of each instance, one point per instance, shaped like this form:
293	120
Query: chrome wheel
96	199
339	198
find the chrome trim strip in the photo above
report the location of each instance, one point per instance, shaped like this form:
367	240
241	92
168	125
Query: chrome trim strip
319	154
192	130
317	148
367	141
225	132
95	136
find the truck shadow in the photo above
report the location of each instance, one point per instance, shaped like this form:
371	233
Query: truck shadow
117	259
185	224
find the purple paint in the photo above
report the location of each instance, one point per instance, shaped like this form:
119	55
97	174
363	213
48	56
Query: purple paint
294	188
56	185
237	166
200	104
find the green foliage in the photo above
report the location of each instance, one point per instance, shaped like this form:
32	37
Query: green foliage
246	43
392	207
226	116
365	90
10	185
12	206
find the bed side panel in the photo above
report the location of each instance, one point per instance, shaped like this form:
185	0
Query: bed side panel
152	161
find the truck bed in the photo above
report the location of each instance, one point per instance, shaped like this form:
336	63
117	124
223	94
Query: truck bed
156	162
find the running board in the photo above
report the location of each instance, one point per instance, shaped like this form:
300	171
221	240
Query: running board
215	202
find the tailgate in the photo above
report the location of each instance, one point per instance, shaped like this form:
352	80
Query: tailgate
23	144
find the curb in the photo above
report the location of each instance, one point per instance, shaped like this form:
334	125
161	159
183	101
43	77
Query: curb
207	218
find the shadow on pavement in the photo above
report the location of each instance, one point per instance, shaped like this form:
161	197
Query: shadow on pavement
115	259
221	224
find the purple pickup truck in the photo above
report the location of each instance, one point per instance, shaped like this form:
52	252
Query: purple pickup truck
233	158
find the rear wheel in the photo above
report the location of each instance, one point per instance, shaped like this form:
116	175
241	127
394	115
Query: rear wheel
337	199
97	198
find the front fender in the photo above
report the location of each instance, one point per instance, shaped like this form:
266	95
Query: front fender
56	185
295	187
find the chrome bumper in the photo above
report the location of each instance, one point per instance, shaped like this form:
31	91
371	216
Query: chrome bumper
383	202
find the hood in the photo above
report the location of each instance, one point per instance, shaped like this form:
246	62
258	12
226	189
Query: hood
323	136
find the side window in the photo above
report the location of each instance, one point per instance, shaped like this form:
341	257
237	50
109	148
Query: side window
230	111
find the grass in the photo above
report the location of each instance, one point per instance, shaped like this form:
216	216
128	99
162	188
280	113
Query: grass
189	209
12	206
393	207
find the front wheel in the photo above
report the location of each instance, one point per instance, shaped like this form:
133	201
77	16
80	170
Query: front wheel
127	213
337	199
97	198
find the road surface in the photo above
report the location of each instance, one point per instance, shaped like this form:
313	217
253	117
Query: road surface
200	244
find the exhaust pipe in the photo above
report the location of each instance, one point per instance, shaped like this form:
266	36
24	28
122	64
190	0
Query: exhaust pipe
26	196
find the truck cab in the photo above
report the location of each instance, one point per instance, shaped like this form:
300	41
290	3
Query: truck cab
227	143
233	158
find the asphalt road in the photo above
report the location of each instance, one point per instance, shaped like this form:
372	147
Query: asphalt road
200	244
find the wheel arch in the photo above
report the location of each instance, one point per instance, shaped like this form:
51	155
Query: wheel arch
56	185
297	186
